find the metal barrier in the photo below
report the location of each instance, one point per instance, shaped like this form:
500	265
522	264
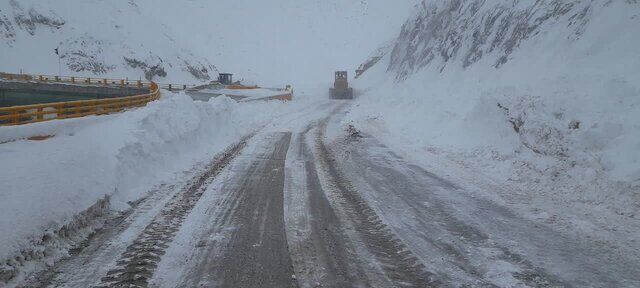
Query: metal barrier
24	114
17	115
92	81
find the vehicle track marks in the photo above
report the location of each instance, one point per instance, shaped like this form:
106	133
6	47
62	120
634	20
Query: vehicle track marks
397	261
137	264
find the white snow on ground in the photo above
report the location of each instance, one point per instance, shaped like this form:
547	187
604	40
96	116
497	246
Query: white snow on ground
47	183
586	177
182	254
249	93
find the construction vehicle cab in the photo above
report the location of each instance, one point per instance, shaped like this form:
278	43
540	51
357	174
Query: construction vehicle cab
341	89
225	78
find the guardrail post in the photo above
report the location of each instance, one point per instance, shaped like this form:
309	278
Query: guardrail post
153	87
104	81
139	84
40	78
40	116
184	87
88	80
169	87
57	78
73	79
121	82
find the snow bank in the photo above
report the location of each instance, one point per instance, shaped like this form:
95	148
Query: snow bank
249	93
559	119
46	183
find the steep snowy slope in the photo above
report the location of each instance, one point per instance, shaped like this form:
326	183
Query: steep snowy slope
102	38
540	95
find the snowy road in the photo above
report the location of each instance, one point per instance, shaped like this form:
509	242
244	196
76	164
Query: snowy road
303	204
245	244
467	240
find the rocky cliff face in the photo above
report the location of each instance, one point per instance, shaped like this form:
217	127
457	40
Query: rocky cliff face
466	31
14	16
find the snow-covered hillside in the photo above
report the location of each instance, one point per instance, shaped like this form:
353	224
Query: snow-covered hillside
101	38
541	96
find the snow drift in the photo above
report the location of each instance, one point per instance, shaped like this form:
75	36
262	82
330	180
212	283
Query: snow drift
97	163
542	95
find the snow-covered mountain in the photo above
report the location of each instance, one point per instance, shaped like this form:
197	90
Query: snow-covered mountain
96	38
466	31
544	95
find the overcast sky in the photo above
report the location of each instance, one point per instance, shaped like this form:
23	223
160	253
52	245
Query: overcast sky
287	40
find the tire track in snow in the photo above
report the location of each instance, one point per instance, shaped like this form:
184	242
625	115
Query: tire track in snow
321	256
242	243
443	235
399	264
101	249
138	263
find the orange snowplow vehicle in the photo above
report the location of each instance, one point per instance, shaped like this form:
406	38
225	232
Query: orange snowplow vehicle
341	89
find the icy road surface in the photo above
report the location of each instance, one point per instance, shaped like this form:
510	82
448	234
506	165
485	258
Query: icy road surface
290	206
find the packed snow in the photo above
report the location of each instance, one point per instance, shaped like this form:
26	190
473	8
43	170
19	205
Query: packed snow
555	124
120	156
534	105
249	94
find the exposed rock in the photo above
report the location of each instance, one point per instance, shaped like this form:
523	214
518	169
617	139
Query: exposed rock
153	71
201	73
30	20
199	69
6	28
574	125
353	132
535	133
150	70
82	54
435	35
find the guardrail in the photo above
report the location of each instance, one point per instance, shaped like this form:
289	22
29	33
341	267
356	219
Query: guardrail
92	81
24	114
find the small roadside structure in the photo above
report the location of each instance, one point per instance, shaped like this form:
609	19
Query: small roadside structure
225	78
